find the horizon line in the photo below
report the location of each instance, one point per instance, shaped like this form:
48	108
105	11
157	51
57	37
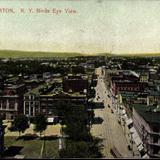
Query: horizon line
86	54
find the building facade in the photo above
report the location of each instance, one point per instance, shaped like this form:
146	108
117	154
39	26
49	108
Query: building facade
75	83
11	101
146	120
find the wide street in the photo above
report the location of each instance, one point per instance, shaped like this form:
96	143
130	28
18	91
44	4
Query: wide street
109	130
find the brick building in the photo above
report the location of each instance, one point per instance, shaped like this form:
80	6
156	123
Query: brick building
45	98
126	85
11	100
146	120
76	83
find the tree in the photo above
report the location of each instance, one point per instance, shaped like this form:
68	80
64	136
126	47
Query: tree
78	69
92	93
80	143
20	123
81	149
75	118
40	123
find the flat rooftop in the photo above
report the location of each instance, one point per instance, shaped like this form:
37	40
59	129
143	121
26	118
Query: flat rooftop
150	114
75	77
36	90
44	86
14	86
56	92
53	92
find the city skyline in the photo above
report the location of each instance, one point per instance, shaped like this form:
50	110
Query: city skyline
99	26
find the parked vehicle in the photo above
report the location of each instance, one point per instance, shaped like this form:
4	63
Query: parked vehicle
129	147
112	111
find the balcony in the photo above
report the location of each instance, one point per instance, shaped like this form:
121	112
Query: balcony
154	144
154	155
154	133
9	109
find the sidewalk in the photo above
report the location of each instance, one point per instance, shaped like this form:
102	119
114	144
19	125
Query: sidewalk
110	130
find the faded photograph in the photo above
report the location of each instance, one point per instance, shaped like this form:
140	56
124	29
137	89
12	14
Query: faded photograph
79	79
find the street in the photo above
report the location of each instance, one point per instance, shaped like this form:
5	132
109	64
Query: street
109	130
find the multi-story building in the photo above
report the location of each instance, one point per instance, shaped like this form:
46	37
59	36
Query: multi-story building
153	97
49	102
45	98
126	85
144	77
146	120
11	100
31	102
78	83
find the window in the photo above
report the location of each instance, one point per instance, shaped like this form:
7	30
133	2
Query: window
155	129
11	105
156	150
155	139
26	111
26	104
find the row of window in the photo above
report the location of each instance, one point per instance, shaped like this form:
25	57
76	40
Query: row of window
129	88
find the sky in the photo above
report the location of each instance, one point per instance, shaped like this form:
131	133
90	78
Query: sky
98	26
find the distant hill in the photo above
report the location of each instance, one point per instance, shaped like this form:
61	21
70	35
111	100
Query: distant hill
138	54
34	54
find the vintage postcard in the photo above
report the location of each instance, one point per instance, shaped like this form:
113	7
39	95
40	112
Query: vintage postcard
79	79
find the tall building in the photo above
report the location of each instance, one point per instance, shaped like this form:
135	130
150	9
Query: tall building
78	83
11	100
146	120
44	99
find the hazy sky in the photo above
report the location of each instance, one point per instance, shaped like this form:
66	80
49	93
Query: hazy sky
118	26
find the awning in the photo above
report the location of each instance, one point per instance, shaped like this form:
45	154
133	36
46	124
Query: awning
134	135
124	117
123	112
138	141
140	147
129	121
145	156
132	130
50	120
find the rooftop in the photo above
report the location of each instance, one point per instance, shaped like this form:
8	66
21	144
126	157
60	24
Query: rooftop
127	94
154	93
64	94
14	86
150	114
36	90
129	72
123	81
78	76
53	91
46	87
